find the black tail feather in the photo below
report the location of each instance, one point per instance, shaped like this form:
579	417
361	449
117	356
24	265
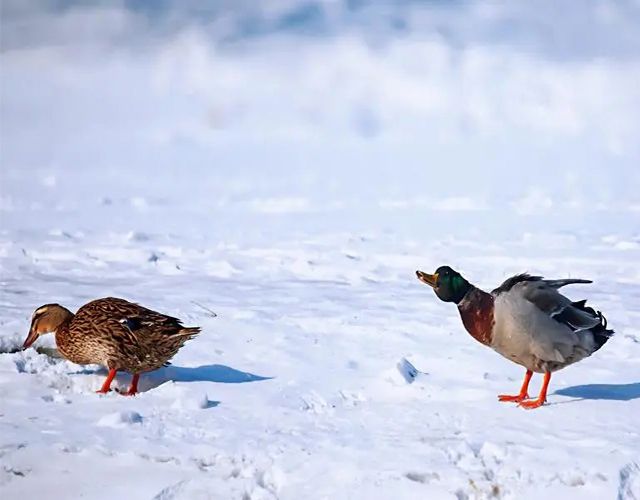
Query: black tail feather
599	331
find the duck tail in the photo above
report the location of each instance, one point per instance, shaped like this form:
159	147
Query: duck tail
600	332
189	332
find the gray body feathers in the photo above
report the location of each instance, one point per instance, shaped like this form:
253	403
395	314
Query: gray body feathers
541	329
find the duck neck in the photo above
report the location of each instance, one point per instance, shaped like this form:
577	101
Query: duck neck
476	311
63	330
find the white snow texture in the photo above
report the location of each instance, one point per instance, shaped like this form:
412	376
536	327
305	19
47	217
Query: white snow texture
288	165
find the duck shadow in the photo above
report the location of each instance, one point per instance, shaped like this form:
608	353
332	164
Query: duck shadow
611	392
204	373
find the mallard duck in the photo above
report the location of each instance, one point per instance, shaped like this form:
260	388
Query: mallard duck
527	320
112	332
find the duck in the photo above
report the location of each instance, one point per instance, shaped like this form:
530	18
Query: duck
526	320
113	332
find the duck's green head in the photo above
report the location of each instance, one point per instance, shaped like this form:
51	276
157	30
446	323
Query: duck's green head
449	285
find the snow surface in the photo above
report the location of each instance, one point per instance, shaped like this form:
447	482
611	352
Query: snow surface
289	169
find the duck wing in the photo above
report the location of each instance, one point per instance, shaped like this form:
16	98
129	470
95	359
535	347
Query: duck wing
519	279
545	296
133	318
141	339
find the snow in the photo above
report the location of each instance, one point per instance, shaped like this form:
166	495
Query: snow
276	175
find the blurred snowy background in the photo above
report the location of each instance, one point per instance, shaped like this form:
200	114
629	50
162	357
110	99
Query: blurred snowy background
422	113
289	164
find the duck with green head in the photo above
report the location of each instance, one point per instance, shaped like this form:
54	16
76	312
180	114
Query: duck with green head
526	320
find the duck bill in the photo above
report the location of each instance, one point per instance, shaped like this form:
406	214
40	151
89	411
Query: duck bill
31	338
428	279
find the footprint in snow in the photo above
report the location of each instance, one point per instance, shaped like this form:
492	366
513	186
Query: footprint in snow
629	486
315	403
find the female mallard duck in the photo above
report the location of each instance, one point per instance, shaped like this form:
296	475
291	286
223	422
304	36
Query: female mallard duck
526	320
112	332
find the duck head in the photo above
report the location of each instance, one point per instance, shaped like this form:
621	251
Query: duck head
448	285
46	319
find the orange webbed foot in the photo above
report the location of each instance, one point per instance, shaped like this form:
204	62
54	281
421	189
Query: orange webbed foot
128	393
518	398
530	404
523	391
133	388
106	387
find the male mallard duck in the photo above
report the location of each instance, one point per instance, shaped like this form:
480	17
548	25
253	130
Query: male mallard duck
526	320
112	332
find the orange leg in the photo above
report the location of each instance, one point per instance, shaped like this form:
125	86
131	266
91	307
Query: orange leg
542	397
133	388
106	387
523	390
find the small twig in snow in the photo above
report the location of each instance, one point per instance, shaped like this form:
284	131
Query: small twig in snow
213	314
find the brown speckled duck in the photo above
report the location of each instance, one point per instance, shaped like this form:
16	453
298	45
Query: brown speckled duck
527	320
118	334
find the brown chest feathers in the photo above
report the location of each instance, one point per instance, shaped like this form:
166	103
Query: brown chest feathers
476	311
73	351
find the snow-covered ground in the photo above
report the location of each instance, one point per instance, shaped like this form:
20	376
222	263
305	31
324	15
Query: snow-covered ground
290	168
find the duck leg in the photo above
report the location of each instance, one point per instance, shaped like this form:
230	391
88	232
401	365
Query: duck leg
106	387
133	388
523	391
530	404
